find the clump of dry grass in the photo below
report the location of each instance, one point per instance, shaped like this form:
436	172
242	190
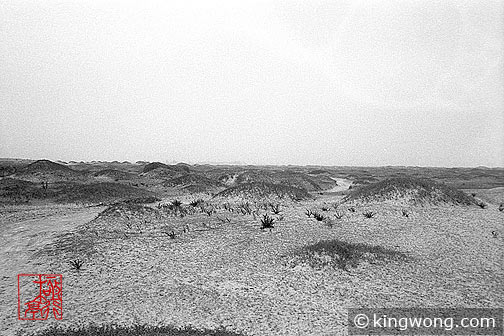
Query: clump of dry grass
267	222
369	214
76	264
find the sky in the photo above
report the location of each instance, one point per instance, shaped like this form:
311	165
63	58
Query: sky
356	83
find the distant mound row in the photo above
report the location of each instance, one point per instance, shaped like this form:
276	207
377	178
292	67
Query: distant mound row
113	174
256	190
410	191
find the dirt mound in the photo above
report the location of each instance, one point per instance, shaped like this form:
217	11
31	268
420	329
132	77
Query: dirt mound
45	166
293	179
193	183
318	172
96	192
13	190
45	170
125	211
265	190
183	168
113	174
410	191
161	174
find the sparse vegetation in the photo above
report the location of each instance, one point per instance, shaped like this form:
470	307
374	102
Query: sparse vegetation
318	216
308	213
267	222
405	213
369	214
76	264
482	205
197	202
338	215
275	208
245	208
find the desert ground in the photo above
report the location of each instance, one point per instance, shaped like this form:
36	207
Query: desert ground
252	250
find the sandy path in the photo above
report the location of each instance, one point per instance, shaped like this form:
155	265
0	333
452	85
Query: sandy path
343	184
24	232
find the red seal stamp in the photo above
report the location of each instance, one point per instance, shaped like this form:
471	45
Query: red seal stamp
40	296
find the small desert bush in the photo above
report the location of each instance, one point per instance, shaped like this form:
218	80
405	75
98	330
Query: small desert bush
176	203
482	205
275	208
267	222
245	208
405	213
318	216
501	207
351	209
338	215
308	213
342	255
76	264
369	214
197	202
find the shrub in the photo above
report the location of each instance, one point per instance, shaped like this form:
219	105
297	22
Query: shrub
171	234
308	213
501	207
267	222
351	209
338	215
176	203
245	208
369	214
482	205
197	202
405	213
318	216
76	264
209	211
275	208
494	234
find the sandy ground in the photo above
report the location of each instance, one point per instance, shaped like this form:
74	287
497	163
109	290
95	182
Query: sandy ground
233	274
343	184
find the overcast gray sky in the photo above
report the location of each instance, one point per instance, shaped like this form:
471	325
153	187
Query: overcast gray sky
263	82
